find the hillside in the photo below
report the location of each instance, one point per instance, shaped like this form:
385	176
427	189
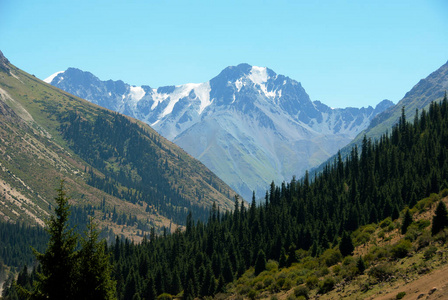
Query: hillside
115	167
248	125
427	90
305	227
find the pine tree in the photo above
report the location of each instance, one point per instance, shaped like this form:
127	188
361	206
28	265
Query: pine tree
260	263
407	220
440	220
346	245
59	263
95	280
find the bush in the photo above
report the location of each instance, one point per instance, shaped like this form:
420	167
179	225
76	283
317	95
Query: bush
401	249
381	272
400	295
271	265
312	281
302	291
164	296
331	257
386	222
424	240
268	281
252	294
429	253
326	285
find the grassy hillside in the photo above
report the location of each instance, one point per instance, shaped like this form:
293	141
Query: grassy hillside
117	168
386	264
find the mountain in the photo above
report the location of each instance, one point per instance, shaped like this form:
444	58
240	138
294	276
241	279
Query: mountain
116	168
427	90
248	125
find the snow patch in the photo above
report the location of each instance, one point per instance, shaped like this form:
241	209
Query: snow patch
258	75
239	84
136	93
202	91
50	78
180	92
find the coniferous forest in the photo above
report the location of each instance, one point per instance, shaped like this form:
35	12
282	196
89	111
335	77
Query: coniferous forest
377	180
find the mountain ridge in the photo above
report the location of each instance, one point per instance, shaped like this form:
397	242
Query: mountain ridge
248	124
48	134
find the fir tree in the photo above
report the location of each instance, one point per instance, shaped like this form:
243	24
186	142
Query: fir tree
440	220
346	245
59	262
260	263
407	220
95	280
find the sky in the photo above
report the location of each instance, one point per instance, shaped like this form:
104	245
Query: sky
345	53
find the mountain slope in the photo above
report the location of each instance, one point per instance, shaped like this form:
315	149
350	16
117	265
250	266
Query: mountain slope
248	125
120	169
427	90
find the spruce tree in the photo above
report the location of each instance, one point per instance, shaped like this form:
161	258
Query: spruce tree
95	280
346	245
260	263
407	220
440	220
59	262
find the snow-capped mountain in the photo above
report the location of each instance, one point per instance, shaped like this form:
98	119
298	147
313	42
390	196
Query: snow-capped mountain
248	125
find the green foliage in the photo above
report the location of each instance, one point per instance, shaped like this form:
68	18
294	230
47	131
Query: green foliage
440	220
311	281
346	245
407	220
260	263
326	285
164	296
59	261
361	265
302	290
381	272
429	253
331	257
400	295
401	249
65	272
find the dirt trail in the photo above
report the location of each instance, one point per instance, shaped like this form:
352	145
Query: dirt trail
436	279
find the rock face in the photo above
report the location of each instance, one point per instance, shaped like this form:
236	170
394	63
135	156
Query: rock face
4	63
249	125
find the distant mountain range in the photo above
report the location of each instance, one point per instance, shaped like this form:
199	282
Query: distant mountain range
115	168
248	125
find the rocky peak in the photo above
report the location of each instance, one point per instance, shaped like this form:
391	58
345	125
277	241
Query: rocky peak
4	63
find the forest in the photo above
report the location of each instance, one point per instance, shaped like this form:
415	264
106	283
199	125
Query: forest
376	181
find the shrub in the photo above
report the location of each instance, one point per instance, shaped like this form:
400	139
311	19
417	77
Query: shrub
424	240
386	222
422	224
302	291
331	257
164	296
381	272
252	294
401	249
326	285
271	265
400	295
268	281
362	238
312	281
429	253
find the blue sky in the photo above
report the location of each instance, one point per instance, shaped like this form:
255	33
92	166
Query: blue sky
345	53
